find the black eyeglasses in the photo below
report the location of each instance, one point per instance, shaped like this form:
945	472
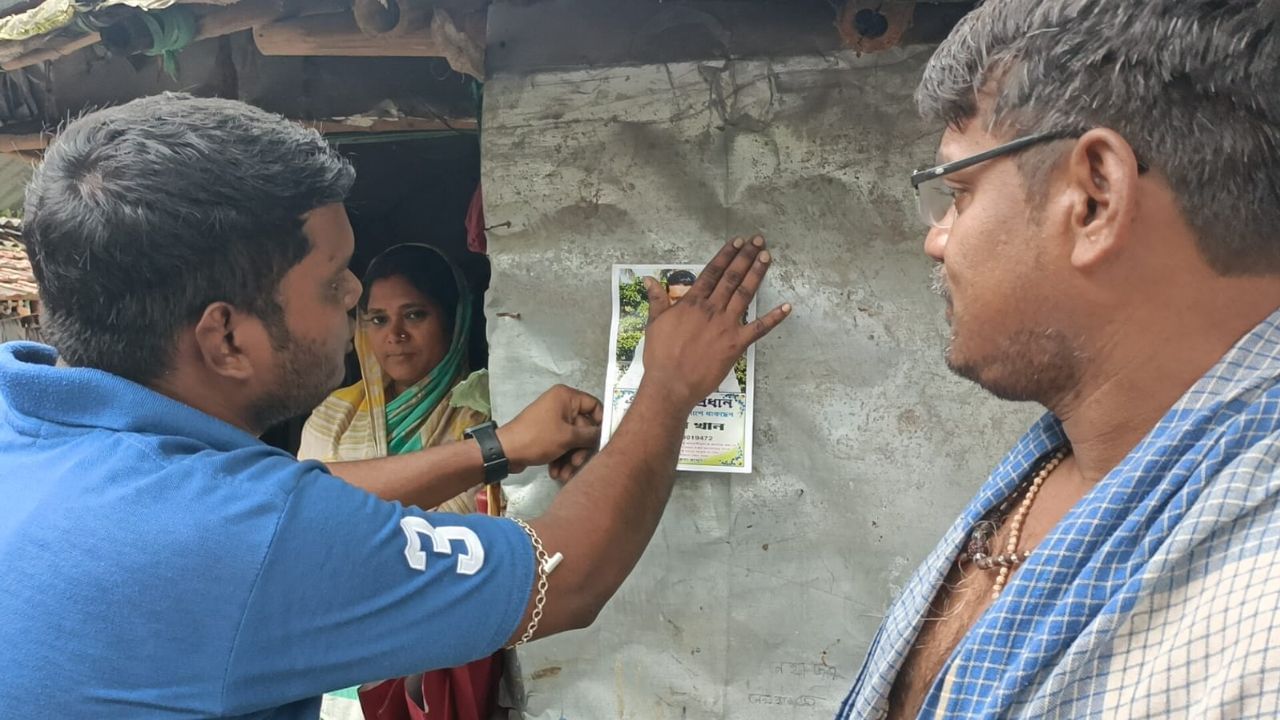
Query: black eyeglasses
934	197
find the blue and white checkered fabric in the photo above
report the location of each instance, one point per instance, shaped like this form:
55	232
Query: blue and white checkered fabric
1158	595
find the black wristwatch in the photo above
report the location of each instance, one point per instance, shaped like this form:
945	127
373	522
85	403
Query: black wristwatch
496	465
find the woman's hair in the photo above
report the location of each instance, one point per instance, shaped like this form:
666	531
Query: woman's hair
426	269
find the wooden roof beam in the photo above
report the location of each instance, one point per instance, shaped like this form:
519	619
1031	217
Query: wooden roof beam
412	29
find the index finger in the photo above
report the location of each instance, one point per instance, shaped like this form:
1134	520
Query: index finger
710	276
763	325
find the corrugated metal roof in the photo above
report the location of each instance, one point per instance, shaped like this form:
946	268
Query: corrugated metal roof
16	279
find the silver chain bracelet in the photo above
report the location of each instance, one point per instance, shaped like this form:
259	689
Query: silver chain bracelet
545	565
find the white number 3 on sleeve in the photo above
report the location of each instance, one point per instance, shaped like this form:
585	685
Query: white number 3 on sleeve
469	562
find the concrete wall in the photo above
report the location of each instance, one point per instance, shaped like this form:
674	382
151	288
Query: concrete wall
759	594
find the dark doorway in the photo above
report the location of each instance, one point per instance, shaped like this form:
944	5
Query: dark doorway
410	188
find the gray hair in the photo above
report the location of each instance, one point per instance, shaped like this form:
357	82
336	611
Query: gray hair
1193	85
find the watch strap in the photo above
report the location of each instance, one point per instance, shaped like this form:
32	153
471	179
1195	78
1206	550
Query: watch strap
496	465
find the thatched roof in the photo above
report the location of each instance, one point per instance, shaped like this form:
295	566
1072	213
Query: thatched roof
16	279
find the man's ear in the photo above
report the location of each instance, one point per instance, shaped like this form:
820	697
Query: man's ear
221	335
1102	174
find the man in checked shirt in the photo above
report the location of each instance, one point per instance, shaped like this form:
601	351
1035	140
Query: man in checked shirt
1104	221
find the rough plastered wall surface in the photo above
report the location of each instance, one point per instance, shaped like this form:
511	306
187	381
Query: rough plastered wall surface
759	594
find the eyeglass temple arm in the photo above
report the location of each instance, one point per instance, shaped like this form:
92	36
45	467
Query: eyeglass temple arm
1010	147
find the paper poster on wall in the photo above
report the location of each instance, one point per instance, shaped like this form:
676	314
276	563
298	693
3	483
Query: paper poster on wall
717	437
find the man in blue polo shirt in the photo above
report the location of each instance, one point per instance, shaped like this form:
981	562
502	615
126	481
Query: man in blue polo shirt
159	560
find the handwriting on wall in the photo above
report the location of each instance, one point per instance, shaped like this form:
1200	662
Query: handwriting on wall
817	670
793	701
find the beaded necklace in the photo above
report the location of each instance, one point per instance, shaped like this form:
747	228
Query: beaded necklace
978	549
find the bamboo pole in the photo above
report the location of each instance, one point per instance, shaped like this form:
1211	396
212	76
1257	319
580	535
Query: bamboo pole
338	34
24	143
390	125
52	51
30	143
418	32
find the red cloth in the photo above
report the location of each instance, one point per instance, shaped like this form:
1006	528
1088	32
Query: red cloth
462	693
477	241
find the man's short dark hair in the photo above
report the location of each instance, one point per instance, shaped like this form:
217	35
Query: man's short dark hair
681	277
144	214
1193	85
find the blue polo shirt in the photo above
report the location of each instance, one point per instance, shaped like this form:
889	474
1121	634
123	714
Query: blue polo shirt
158	563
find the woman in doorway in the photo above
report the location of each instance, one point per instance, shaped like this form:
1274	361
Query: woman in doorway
416	391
